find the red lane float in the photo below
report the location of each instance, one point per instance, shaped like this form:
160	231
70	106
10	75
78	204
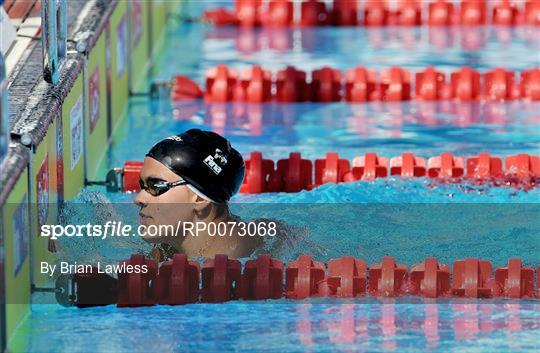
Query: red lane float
291	86
177	282
538	282
252	13
430	85
430	279
259	173
302	277
408	166
220	279
523	166
530	82
262	279
346	278
255	85
505	13
395	85
441	13
387	279
499	85
409	13
185	89
248	12
345	13
359	85
368	167
472	278
220	17
134	288
484	166
332	169
465	84
314	13
376	13
515	280
473	12
326	85
532	12
220	82
280	13
293	174
445	166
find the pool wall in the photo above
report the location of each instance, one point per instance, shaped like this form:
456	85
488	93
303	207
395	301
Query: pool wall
60	134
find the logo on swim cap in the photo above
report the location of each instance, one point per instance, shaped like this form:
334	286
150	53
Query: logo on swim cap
175	138
219	155
213	161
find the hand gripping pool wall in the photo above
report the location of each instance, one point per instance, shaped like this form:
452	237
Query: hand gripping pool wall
63	137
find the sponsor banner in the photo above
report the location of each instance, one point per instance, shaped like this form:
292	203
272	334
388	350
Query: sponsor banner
76	132
121	46
42	185
20	235
137	21
59	160
94	102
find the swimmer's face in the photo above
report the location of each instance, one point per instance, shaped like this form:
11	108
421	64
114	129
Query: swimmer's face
174	205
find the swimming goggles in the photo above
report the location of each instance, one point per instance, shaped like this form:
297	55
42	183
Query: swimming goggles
156	187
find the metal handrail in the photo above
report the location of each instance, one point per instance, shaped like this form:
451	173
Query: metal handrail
53	36
4	112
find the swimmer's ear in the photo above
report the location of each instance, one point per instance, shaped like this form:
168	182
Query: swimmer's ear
193	197
199	201
201	206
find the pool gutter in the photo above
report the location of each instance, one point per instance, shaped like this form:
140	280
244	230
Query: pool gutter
54	136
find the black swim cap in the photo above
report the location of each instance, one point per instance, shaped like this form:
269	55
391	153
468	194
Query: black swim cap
205	160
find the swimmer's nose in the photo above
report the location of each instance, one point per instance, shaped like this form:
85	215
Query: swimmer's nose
141	199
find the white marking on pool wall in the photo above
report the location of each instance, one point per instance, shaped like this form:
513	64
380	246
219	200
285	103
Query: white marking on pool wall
75	127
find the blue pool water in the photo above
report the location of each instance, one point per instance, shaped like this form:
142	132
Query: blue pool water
365	324
306	326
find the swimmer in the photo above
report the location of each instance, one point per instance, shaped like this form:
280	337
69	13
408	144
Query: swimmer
189	179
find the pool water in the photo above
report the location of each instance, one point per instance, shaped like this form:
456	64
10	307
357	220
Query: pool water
364	324
306	326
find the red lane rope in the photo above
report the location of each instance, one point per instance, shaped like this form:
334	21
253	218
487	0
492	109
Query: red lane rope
283	13
180	281
360	84
294	174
